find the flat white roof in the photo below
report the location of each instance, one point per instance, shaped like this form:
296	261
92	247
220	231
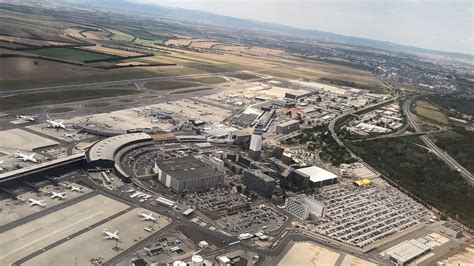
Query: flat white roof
407	250
316	174
105	149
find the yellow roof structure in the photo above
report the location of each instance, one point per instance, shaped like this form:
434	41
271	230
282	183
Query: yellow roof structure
362	182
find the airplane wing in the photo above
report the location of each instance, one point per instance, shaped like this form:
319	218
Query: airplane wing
32	155
116	232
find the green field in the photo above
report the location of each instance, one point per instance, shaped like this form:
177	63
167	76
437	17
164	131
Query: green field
10	45
415	169
209	80
169	85
71	54
53	97
428	111
461	104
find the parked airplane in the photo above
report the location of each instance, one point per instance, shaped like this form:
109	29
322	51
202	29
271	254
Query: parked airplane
1	167
110	235
61	195
78	189
29	118
34	202
147	217
25	157
55	124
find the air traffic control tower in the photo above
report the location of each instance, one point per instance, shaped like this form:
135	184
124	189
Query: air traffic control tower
256	142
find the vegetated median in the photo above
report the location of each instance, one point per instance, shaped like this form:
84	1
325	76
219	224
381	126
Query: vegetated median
421	173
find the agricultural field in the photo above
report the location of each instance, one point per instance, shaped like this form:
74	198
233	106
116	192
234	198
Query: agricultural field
428	111
203	44
70	54
111	51
32	42
120	36
179	42
11	45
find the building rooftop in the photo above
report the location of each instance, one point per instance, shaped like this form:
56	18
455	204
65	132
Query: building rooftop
407	250
316	174
186	168
261	175
106	149
452	227
288	123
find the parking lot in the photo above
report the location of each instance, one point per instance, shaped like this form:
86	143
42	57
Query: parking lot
362	216
217	200
257	219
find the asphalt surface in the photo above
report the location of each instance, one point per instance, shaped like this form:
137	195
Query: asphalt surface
445	157
138	83
71	236
45	211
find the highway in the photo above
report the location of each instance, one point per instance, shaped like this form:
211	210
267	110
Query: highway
435	149
333	122
334	135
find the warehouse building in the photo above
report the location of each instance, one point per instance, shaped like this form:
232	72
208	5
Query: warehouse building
315	176
188	174
259	182
288	127
303	206
451	230
406	252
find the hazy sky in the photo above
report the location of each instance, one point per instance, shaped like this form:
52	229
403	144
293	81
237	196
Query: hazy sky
441	25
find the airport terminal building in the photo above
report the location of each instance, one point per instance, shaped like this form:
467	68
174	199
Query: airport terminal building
188	174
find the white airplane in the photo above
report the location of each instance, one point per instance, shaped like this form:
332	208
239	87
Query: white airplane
78	189
55	124
25	157
61	195
34	202
147	217
110	235
29	118
1	167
